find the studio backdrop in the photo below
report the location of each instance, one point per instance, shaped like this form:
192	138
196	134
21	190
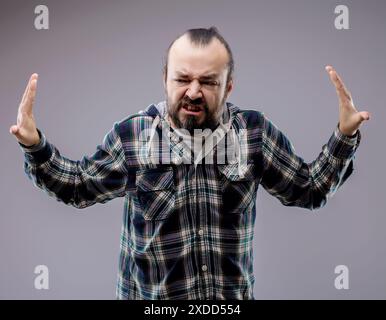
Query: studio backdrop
100	61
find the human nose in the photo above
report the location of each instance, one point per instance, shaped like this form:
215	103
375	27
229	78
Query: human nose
194	90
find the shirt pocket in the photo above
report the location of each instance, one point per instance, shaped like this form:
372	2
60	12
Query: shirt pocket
156	192
238	187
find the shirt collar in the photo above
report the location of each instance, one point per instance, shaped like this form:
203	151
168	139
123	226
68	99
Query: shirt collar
159	112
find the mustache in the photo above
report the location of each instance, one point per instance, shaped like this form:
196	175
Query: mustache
196	102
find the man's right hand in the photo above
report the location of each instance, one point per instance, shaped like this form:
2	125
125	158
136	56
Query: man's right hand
25	128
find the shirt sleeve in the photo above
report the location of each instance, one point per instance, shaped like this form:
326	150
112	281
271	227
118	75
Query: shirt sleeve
94	179
308	185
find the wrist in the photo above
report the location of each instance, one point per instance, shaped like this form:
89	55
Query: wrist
33	143
348	133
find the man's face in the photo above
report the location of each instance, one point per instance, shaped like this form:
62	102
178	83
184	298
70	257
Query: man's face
195	86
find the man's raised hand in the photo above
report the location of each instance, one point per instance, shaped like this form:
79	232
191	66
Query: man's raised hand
349	118
25	128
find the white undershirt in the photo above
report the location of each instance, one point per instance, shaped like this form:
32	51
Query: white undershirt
196	142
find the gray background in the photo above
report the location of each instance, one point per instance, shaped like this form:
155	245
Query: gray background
101	61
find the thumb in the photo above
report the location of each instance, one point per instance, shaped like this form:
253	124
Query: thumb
364	115
14	129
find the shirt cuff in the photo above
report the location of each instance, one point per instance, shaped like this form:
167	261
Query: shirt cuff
342	147
37	153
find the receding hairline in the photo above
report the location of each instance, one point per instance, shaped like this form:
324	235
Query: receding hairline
198	40
185	38
199	43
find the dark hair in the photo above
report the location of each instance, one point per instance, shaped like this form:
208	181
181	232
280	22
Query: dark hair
202	37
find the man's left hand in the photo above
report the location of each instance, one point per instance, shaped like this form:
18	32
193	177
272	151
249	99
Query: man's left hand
349	118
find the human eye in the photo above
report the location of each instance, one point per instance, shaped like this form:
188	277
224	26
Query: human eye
181	80
210	83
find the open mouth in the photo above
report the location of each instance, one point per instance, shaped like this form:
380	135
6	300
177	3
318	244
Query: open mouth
194	110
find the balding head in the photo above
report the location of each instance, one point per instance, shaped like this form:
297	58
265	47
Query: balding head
201	38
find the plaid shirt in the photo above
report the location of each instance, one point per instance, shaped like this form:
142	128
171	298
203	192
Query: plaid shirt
188	227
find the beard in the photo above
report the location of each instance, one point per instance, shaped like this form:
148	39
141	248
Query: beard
190	122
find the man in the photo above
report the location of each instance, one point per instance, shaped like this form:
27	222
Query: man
190	206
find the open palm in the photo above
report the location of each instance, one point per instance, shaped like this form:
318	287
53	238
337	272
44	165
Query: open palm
25	128
350	118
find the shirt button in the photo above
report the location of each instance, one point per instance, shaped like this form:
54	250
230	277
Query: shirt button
204	267
200	232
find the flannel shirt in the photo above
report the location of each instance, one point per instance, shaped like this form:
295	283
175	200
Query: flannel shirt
187	228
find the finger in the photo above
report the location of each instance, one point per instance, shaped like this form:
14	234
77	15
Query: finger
336	80
26	90
343	94
30	99
33	76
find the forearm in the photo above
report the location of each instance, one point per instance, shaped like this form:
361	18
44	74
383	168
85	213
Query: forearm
78	183
297	183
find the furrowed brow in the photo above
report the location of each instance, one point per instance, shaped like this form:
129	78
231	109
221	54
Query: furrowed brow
210	76
206	77
181	74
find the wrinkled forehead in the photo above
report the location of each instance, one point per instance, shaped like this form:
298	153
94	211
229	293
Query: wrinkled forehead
193	60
